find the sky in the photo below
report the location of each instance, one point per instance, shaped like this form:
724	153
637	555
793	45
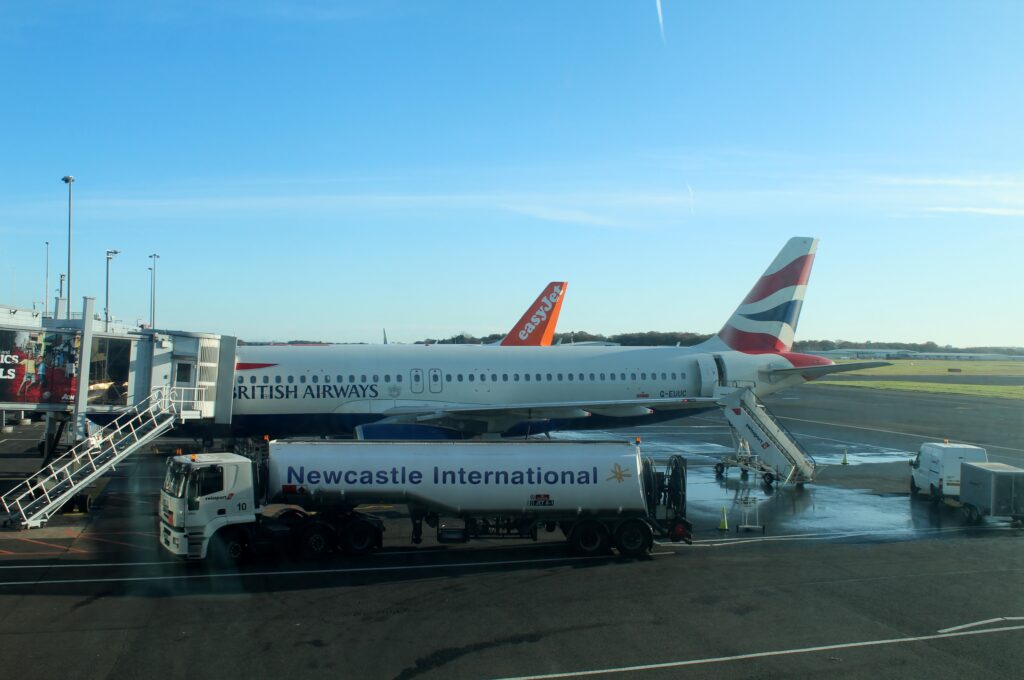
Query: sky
327	170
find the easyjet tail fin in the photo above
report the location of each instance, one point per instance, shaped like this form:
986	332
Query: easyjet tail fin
766	319
537	326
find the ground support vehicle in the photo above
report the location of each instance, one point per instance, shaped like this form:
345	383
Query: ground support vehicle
305	496
993	490
936	469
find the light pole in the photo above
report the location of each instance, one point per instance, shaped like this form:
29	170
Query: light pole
106	311
152	291
46	284
69	180
60	291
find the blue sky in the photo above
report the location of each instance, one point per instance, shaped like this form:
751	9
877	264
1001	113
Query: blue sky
324	170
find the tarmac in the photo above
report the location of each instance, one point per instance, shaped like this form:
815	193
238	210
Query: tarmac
850	578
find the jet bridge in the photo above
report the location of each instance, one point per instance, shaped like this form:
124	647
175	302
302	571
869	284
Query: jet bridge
106	391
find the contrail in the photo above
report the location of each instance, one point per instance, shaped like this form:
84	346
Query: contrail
661	21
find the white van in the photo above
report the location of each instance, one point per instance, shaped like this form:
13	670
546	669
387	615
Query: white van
936	470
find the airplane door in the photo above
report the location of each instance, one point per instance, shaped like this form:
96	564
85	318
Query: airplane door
708	374
416	381
436	383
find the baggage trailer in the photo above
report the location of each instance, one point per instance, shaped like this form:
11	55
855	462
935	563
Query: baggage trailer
305	496
993	490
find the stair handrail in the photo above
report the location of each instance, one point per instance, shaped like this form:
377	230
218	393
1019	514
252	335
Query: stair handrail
162	400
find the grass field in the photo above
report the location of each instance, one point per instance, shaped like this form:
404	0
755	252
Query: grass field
926	367
998	391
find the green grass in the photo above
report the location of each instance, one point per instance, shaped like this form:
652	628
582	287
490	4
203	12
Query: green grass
997	391
941	367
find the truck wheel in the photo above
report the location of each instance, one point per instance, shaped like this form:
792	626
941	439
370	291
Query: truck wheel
972	514
914	488
359	537
633	538
589	538
227	547
934	495
317	541
719	469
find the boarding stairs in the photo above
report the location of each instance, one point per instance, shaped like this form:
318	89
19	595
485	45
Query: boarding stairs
32	502
776	451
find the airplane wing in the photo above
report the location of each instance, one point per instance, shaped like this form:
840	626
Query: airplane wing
812	372
547	410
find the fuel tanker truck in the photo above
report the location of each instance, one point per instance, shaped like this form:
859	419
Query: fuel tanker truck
304	497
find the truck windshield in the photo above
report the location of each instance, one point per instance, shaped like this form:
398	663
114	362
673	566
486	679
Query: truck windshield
175	479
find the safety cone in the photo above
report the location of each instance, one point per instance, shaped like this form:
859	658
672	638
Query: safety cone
723	524
845	462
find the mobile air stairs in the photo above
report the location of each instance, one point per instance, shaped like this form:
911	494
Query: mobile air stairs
32	502
765	445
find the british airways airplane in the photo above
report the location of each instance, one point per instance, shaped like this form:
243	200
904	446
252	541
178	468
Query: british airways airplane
451	391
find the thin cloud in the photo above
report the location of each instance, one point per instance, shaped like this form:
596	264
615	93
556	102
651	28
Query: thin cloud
998	212
661	21
568	215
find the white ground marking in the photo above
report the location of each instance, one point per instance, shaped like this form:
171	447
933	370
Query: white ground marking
982	623
302	572
759	655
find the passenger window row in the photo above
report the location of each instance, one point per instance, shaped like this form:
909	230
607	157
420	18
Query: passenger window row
470	377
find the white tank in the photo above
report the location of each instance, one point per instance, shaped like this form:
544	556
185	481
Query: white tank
465	478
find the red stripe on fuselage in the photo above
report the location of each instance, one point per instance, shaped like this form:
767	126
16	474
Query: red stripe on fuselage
795	273
242	366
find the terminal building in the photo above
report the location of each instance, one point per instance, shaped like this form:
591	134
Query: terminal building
105	390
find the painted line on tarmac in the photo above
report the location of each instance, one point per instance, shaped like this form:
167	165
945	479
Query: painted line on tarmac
87	565
876	429
356	571
761	655
52	545
982	623
828	535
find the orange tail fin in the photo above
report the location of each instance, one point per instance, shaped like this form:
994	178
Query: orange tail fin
537	327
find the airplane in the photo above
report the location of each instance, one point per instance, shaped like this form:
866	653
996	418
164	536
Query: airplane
455	391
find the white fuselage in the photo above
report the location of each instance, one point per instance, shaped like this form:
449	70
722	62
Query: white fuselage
356	384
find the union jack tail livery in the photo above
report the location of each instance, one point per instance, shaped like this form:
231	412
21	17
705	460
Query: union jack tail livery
766	319
537	327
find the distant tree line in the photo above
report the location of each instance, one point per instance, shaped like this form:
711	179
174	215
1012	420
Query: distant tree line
663	339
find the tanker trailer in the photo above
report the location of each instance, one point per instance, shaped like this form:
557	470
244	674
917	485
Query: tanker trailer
305	496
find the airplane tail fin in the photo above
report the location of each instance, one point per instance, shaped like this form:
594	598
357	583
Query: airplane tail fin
537	326
766	319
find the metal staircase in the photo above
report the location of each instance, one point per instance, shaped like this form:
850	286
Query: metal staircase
770	442
32	502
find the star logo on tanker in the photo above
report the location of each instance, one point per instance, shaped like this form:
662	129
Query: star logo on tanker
619	474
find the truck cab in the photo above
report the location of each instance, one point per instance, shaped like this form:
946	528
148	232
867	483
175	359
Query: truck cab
201	494
936	469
